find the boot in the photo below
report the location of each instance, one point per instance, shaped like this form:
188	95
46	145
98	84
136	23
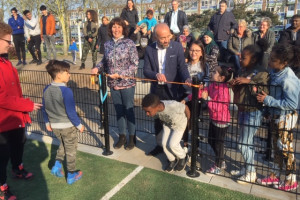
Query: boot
121	142
82	66
131	142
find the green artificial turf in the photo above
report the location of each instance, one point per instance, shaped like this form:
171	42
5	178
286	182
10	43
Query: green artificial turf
100	175
151	184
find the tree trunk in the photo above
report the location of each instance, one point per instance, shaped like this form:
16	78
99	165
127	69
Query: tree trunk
1	15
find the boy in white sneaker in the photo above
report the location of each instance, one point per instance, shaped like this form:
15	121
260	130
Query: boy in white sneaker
174	116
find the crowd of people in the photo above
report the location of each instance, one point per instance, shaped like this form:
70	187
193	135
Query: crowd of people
264	79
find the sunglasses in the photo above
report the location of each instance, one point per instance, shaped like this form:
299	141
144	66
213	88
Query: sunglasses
8	41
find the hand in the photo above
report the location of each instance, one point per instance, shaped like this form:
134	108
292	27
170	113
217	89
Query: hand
90	40
201	86
204	94
48	127
95	70
261	97
183	101
82	129
114	76
37	106
161	77
242	80
28	40
126	22
97	46
188	82
232	82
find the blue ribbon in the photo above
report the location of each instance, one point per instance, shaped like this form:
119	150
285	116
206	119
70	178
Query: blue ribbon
102	98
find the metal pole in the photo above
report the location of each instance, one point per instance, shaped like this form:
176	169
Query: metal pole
107	150
269	145
194	125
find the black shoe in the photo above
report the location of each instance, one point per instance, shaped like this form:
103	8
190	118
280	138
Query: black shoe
82	66
181	164
24	63
171	166
39	62
121	142
21	173
157	150
5	194
130	145
33	61
19	63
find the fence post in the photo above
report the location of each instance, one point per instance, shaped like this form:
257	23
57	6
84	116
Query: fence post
195	132
104	117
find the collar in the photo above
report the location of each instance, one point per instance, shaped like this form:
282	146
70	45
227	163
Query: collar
58	84
280	72
115	40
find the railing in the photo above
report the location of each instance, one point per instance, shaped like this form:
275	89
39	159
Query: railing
88	107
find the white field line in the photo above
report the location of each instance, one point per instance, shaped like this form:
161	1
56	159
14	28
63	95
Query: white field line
118	187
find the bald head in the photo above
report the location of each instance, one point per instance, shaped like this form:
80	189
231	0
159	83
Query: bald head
163	35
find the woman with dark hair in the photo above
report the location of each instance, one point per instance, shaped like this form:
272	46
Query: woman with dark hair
120	60
211	51
103	34
197	66
90	32
130	16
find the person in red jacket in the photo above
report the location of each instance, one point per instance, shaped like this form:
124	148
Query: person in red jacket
14	115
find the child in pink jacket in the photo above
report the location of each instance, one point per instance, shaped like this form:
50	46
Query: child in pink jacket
218	107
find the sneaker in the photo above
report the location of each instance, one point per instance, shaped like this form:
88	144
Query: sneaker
285	187
181	164
249	177
21	173
5	194
19	63
268	181
24	63
171	166
39	62
223	165
57	170
73	177
33	61
214	170
238	172
157	150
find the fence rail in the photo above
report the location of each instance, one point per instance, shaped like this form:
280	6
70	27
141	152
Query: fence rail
87	100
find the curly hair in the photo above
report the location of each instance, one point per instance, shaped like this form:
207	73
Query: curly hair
285	53
119	21
94	15
5	29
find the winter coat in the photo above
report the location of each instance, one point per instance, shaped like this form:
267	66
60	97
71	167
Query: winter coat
131	16
92	33
245	94
287	37
233	44
181	19
102	37
50	25
221	25
270	37
14	107
14	24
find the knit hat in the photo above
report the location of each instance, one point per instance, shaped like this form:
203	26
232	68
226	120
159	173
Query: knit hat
209	33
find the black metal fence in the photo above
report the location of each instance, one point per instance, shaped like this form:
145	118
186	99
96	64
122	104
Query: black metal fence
88	106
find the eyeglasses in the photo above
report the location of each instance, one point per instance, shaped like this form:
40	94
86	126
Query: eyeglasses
196	51
8	41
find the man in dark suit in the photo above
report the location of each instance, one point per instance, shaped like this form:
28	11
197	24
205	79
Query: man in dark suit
176	19
164	61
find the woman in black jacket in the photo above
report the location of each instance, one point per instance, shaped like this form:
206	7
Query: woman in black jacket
130	16
103	34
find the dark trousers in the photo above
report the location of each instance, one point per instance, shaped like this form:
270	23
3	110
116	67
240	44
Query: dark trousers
216	137
19	42
35	45
163	93
11	146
